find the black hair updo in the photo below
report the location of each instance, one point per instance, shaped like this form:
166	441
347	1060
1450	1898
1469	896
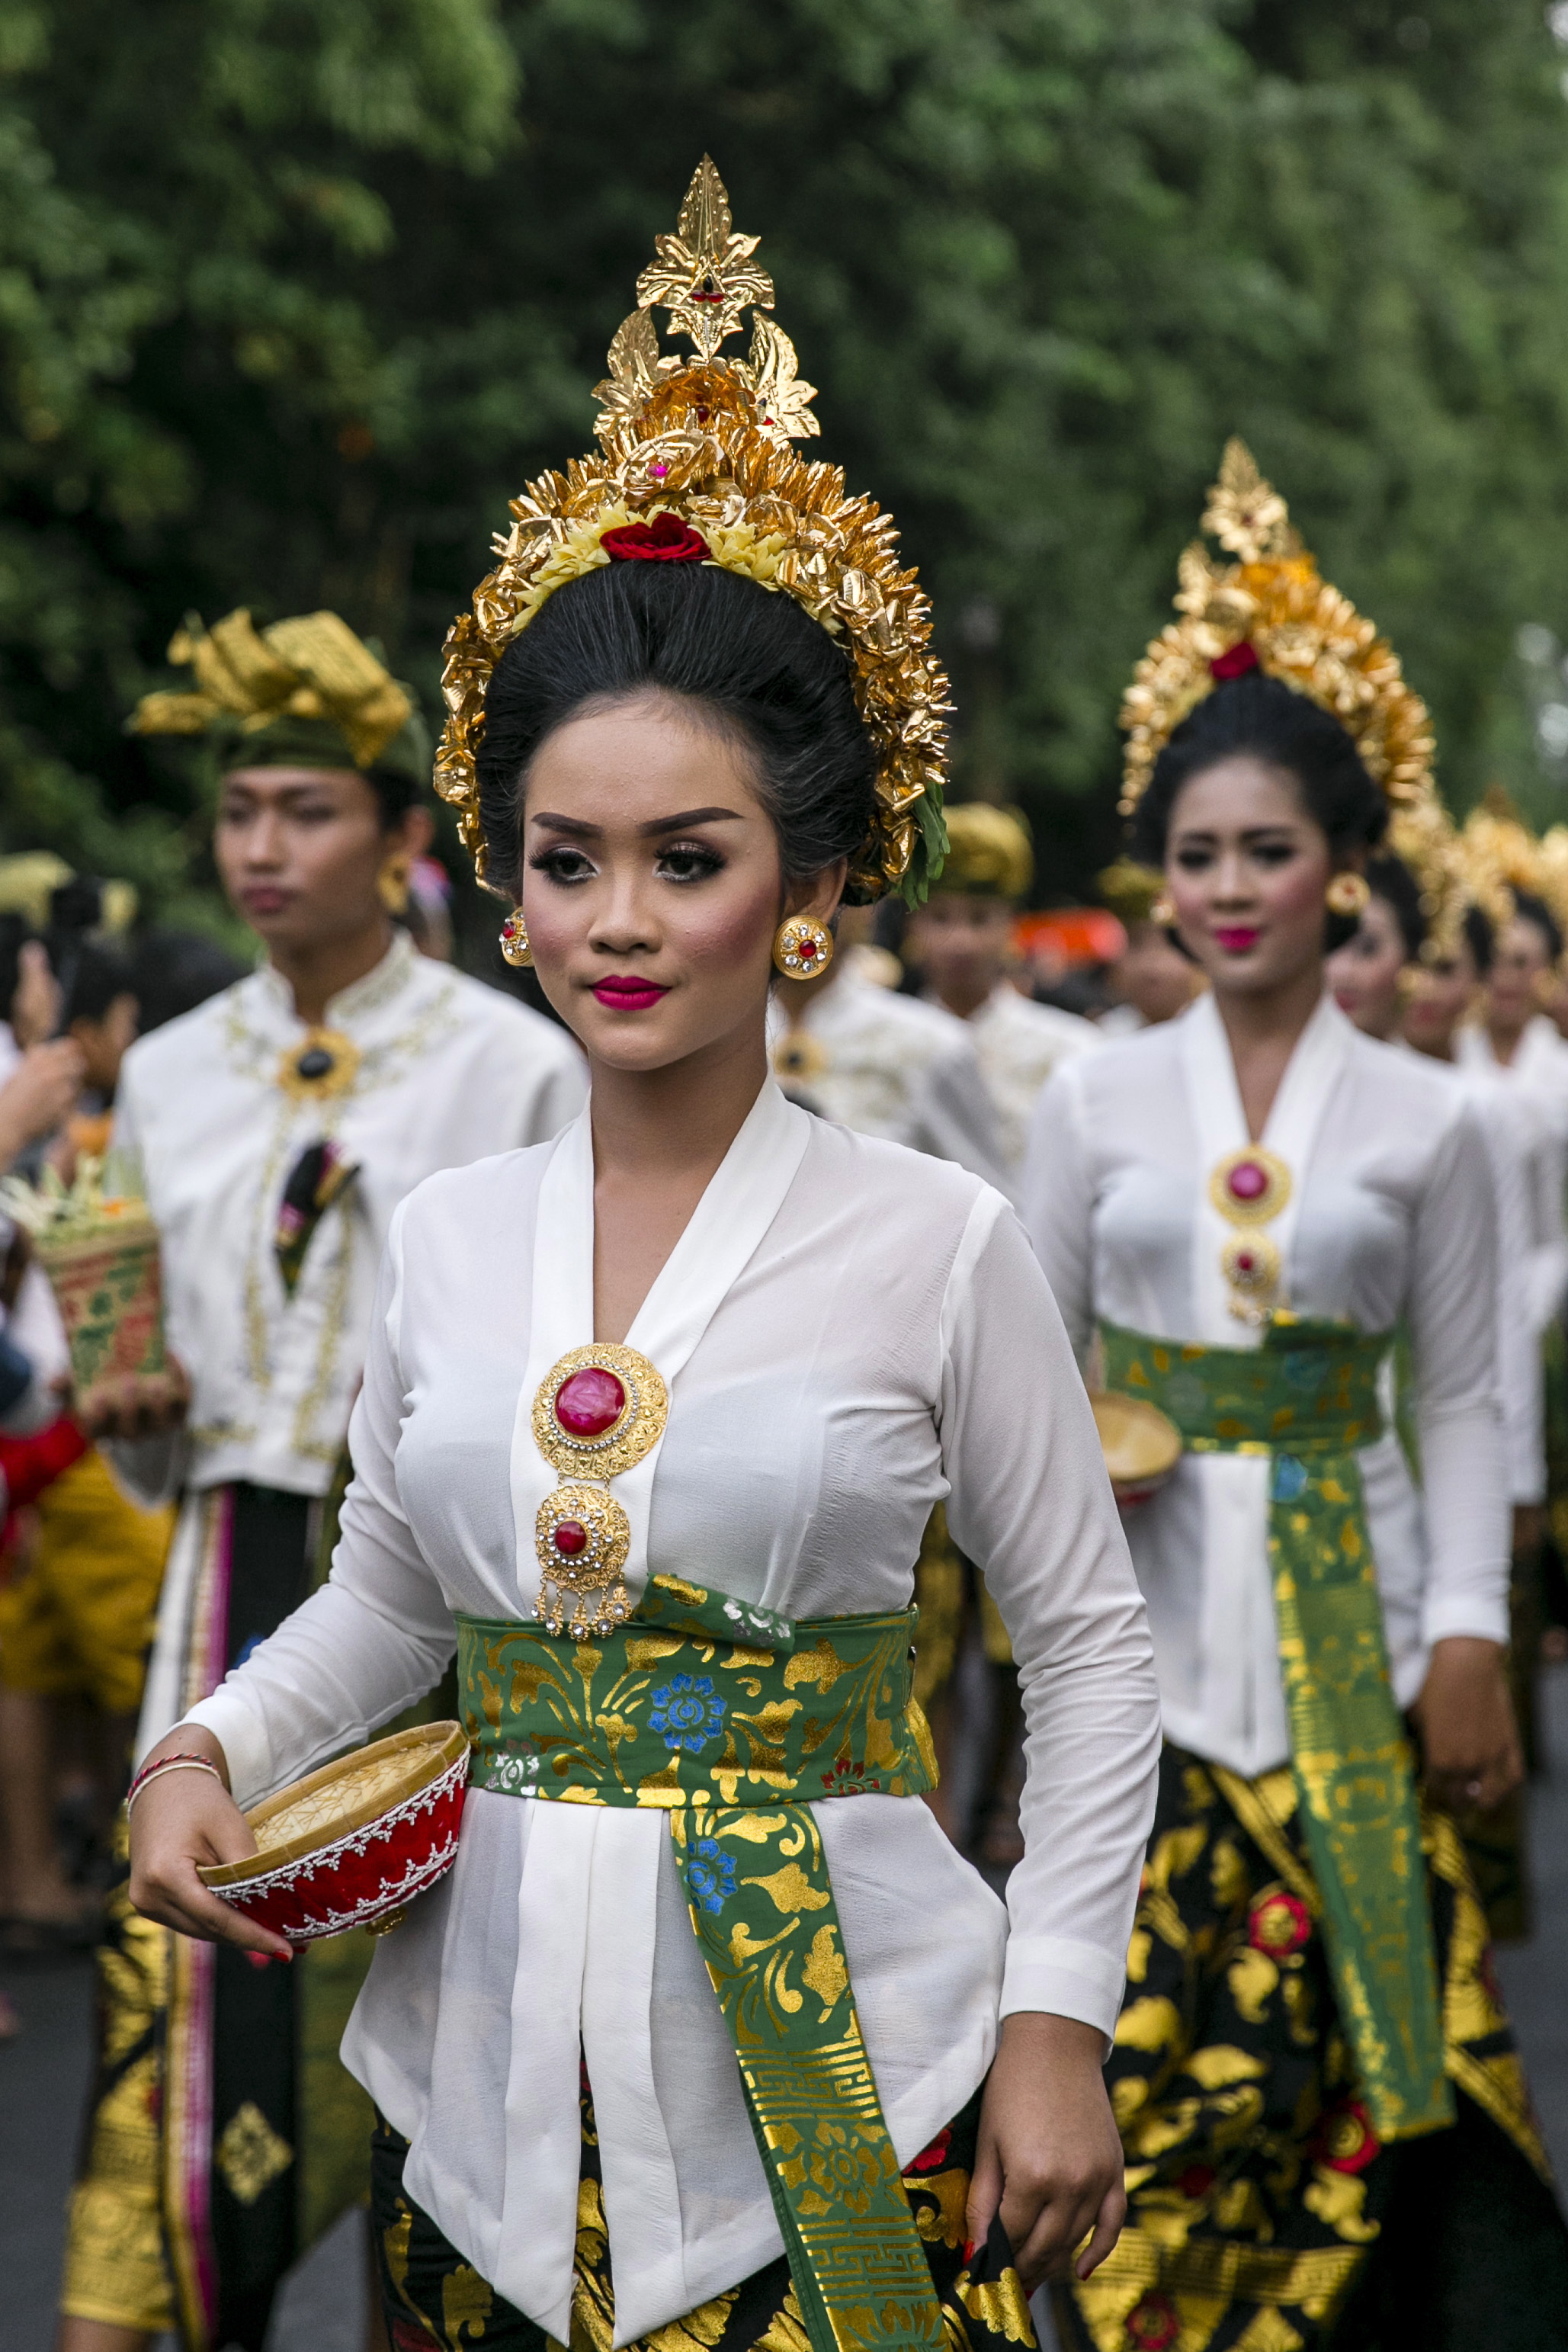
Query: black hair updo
1261	716
1536	912
1481	938
1390	879
748	660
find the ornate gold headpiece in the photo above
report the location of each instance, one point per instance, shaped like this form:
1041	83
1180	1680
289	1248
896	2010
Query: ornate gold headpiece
312	669
1270	610
695	465
1501	856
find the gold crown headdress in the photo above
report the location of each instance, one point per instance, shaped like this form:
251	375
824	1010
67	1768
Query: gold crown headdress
695	465
306	683
1502	858
1271	610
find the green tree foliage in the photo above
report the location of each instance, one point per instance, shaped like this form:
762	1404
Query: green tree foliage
295	293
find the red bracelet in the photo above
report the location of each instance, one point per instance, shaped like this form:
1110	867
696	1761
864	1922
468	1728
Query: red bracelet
162	1764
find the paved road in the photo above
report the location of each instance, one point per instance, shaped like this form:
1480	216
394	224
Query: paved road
43	2077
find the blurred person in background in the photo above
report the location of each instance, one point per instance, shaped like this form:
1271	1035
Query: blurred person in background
960	948
428	914
1238	1211
853	1049
85	1563
960	943
1513	1033
1151	980
277	1127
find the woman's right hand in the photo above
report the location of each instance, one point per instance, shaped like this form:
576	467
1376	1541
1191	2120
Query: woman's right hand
183	1819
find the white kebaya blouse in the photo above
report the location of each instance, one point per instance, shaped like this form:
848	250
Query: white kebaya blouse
850	1332
1390	1220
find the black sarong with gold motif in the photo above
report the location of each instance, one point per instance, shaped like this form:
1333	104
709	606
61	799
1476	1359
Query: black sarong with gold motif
435	2302
1264	2212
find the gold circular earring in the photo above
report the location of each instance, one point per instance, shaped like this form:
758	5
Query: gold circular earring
392	885
1347	893
1162	910
802	947
515	941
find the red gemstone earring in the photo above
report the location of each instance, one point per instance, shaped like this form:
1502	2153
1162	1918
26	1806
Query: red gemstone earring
515	940
802	947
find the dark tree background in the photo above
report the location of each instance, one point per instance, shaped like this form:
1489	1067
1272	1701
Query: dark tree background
295	293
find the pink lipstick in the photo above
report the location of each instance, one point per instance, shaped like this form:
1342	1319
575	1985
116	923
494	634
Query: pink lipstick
1236	940
624	993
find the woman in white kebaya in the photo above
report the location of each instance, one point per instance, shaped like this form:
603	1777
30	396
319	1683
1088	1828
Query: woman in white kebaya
791	1341
1322	2110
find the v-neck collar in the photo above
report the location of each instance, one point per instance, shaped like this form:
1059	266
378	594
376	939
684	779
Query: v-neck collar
1219	1123
742	1198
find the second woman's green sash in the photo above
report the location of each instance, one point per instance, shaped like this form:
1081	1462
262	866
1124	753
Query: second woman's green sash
733	1720
1308	1398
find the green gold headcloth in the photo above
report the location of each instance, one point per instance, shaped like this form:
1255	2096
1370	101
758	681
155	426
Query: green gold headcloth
1130	889
989	855
302	693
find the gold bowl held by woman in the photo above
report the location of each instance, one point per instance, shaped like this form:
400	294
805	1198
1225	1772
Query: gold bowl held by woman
352	1844
1141	1445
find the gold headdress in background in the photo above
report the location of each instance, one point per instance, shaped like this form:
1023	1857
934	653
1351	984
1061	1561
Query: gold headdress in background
1502	858
990	851
695	465
1271	610
304	688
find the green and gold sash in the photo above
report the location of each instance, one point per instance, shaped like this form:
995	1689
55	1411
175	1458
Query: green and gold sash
733	1720
1308	1398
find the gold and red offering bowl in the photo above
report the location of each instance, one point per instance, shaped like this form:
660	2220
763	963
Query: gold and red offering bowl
352	1844
1141	1445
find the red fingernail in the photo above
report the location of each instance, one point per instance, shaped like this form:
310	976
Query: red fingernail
969	2249
259	1959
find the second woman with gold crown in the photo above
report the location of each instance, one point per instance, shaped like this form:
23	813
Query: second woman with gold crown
1326	2126
653	1420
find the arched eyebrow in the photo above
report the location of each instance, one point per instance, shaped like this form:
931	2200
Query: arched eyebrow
582	831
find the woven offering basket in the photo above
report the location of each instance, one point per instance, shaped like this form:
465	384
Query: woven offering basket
107	1284
1140	1445
354	1843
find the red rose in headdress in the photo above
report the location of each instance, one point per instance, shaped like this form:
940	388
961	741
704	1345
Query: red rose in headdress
1235	663
666	539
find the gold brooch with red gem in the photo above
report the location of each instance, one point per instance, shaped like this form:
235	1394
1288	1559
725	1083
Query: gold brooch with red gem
1250	1188
597	1412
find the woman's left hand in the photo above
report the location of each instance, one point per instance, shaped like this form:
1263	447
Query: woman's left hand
1469	1741
1049	2155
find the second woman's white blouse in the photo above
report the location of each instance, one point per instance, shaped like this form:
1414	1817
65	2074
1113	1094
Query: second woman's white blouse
1390	1221
850	1332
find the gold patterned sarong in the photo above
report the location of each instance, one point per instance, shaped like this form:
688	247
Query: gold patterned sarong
1308	1400
734	1720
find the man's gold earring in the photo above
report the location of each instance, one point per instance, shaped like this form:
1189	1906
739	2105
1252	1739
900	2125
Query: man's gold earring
1347	893
802	947
515	941
1162	910
392	884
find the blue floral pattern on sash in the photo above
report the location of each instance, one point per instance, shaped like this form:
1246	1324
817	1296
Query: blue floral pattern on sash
687	1712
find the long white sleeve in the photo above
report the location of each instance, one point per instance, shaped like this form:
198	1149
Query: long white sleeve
1452	1317
1031	1503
